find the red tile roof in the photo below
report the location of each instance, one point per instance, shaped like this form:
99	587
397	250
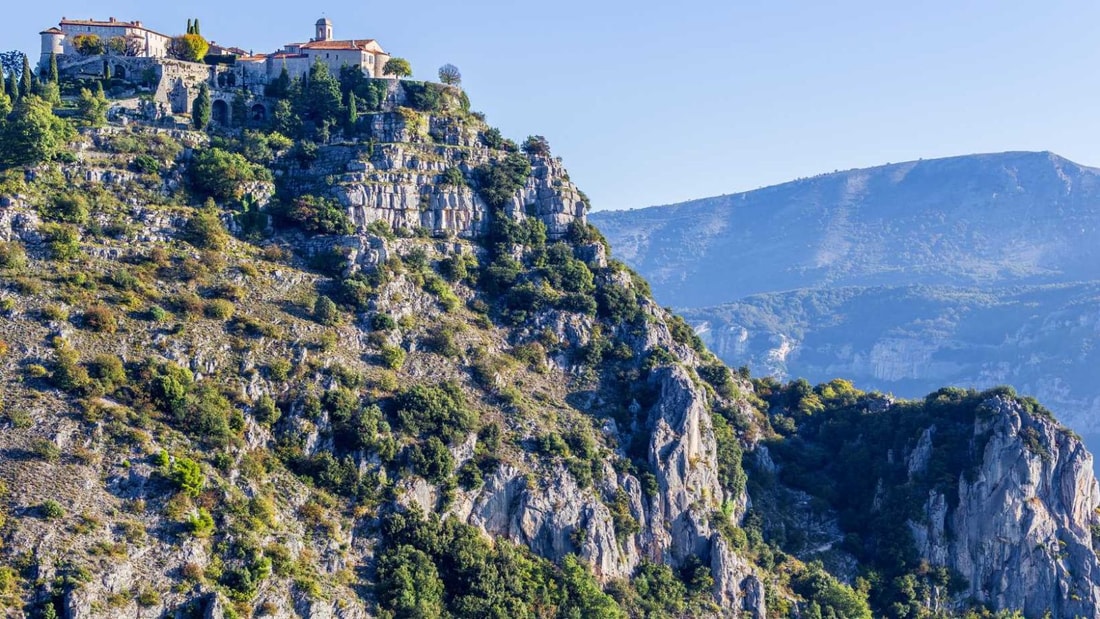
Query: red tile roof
359	44
109	24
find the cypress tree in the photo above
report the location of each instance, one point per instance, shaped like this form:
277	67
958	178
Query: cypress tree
13	87
190	28
26	84
200	110
54	76
353	116
197	31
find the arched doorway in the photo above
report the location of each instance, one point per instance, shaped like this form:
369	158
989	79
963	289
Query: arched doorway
259	113
220	112
120	72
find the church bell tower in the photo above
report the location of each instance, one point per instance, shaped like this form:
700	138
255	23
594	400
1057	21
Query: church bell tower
324	30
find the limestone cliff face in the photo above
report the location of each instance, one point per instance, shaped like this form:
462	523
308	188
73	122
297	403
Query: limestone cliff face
1022	531
555	517
396	179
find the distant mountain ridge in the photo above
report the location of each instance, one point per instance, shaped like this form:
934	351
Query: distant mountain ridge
975	220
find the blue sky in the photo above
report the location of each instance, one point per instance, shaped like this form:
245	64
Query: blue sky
657	102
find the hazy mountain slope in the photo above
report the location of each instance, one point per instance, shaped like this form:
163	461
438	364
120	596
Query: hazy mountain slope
1040	339
973	220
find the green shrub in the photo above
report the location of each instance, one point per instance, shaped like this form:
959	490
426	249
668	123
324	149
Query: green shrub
145	164
205	229
158	314
12	255
499	181
68	374
315	215
393	357
108	370
438	287
265	411
432	460
220	309
660	592
469	476
71	208
279	369
382	322
200	523
46	450
625	523
325	311
222	175
51	510
435	410
188	477
148	598
100	318
453	177
409	584
64	241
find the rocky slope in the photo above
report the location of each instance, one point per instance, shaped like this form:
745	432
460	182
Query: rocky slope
396	375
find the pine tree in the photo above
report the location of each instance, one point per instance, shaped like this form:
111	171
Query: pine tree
26	83
54	76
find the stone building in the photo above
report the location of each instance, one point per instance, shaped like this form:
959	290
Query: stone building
237	68
229	71
366	54
141	41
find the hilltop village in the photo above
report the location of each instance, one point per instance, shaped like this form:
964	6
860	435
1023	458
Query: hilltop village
174	67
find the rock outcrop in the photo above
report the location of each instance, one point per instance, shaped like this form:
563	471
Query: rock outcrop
1021	532
396	179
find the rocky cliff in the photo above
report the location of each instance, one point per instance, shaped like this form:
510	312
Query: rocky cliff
1020	532
983	493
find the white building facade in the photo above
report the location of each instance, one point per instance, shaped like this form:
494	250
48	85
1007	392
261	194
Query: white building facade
59	40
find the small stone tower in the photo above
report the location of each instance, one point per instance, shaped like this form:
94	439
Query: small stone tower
324	30
51	44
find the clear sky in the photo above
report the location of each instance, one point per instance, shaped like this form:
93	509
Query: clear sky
657	102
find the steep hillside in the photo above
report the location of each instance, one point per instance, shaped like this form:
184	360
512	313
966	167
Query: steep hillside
272	371
274	423
974	220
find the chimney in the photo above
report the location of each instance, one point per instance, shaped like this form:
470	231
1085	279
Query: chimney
111	19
